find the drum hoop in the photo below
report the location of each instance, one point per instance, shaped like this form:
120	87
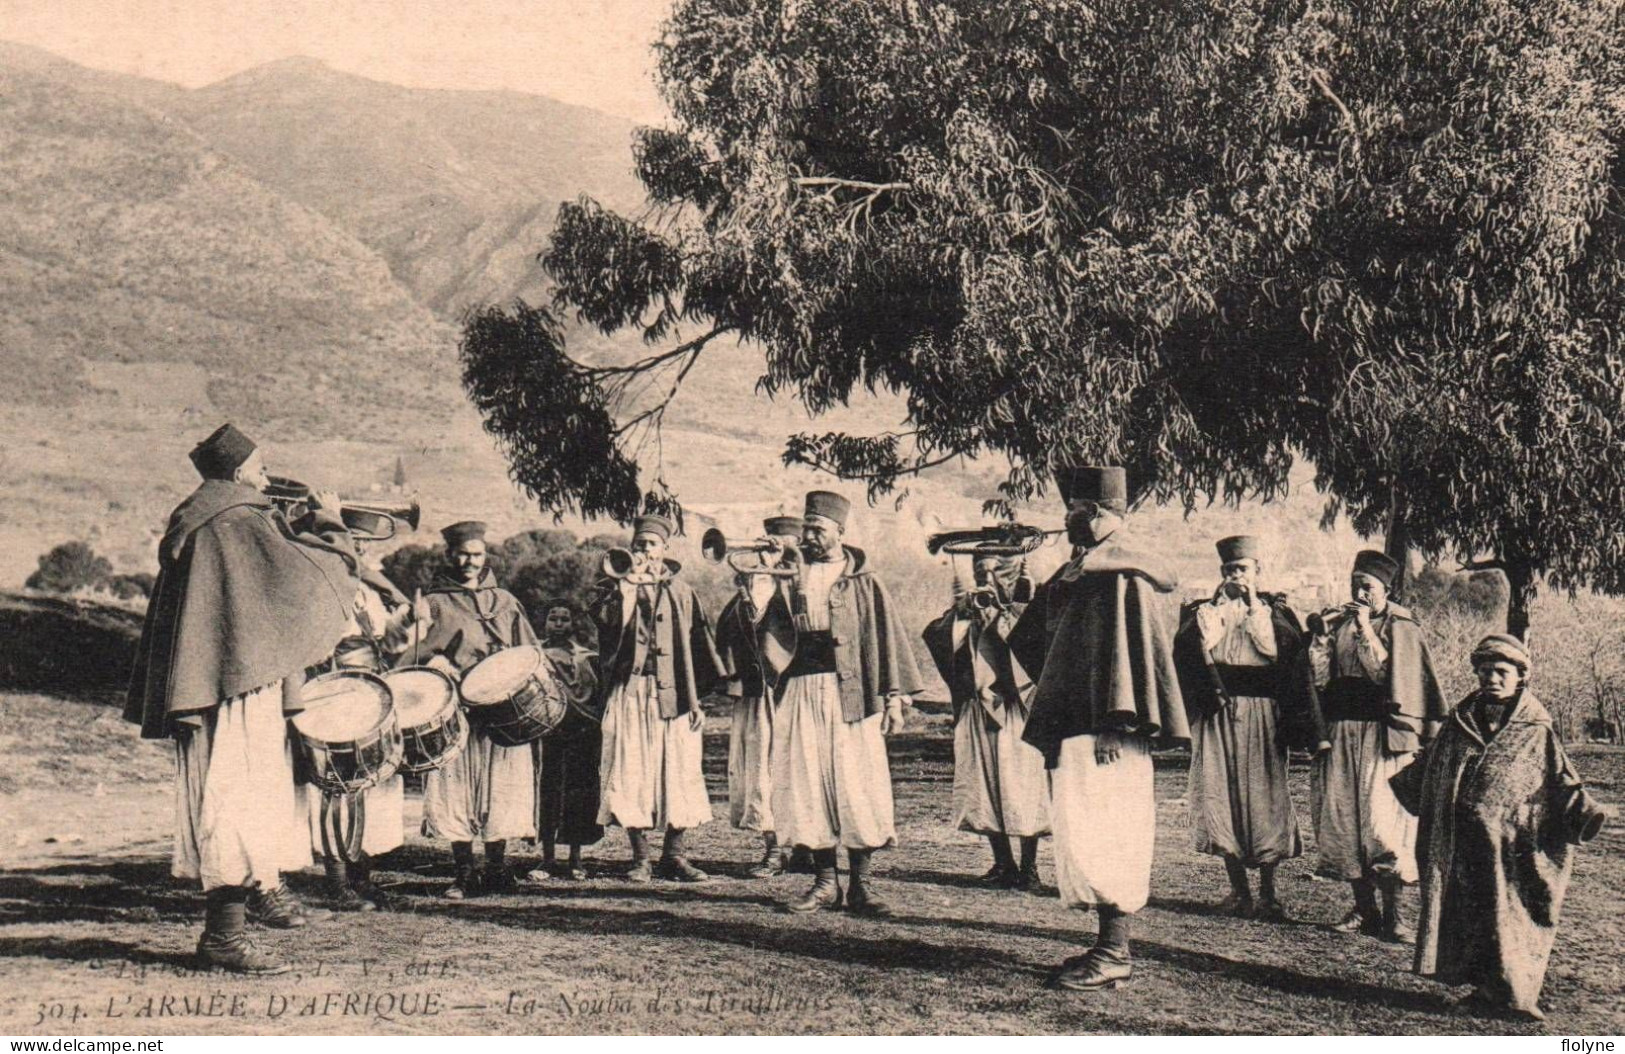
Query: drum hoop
374	731
452	700
530	674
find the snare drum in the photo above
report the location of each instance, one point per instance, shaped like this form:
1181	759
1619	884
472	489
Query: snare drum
431	723
514	696
348	734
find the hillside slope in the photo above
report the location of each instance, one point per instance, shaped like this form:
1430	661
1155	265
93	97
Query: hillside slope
150	288
455	189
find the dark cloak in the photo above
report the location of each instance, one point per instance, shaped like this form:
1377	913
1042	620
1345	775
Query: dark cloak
1098	645
241	601
470	623
1281	680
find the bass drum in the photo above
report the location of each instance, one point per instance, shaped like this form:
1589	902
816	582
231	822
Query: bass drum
348	735
432	724
514	696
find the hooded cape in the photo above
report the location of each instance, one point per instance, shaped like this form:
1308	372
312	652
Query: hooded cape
471	623
973	657
1200	680
1498	822
1095	639
1413	703
686	658
241	602
755	650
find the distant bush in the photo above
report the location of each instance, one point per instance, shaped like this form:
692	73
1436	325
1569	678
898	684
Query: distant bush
131	587
413	567
70	567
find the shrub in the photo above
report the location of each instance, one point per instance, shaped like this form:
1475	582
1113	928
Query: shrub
413	567
69	567
129	587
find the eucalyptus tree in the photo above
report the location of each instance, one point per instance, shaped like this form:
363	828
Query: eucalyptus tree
1194	238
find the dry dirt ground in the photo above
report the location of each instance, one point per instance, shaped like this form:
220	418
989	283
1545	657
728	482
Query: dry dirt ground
96	938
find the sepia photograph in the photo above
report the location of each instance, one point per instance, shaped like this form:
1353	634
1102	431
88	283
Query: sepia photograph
786	518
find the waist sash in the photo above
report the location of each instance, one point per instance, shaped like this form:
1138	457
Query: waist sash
1355	699
1259	682
815	653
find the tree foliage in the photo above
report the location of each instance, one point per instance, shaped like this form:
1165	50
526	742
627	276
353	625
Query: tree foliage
1195	239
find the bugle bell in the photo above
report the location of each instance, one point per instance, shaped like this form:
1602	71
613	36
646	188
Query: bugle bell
368	521
618	562
714	547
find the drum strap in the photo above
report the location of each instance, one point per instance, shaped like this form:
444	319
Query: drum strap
339	838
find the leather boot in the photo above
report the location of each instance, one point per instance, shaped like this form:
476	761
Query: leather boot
1004	873
369	891
1364	917
465	880
674	864
1269	907
641	871
1395	930
498	875
225	944
1104	966
1240	901
279	909
826	889
1027	878
340	895
772	860
860	896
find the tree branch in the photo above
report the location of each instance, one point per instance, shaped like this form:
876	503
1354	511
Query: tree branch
851	184
643	365
1319	79
910	470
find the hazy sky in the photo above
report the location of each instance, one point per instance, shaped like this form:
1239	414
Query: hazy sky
590	52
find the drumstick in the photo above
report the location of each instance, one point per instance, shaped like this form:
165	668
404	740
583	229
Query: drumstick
417	630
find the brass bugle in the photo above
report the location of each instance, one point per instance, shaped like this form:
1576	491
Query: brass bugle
369	521
1005	539
714	547
618	562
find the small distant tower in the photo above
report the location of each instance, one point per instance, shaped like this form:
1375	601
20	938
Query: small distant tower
400	475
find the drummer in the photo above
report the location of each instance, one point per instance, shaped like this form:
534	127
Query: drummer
383	625
488	792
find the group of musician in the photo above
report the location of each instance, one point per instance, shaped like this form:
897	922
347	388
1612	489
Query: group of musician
1060	693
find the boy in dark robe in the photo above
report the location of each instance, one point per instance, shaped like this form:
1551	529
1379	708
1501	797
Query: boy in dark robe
567	795
1500	810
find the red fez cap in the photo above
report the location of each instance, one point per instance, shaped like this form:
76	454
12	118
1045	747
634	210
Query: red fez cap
1101	484
466	531
652	524
1502	647
829	505
1378	565
783	525
1238	547
218	456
